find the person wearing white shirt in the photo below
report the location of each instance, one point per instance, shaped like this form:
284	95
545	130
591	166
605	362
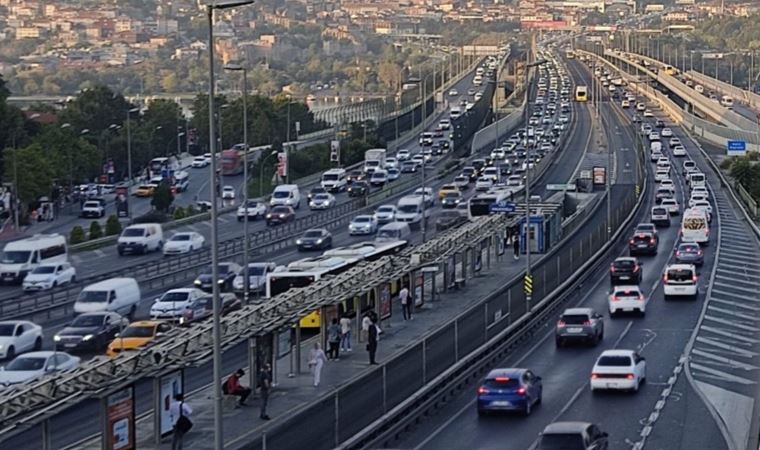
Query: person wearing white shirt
406	303
175	413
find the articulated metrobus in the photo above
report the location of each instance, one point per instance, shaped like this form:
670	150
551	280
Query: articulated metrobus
305	271
581	93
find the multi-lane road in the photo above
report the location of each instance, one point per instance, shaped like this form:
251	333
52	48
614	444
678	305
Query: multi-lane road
666	409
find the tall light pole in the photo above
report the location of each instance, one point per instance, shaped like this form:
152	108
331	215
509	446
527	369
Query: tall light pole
261	172
129	147
246	236
217	310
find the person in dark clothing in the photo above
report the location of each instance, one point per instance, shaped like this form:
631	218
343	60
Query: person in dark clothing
333	338
265	385
233	387
372	341
516	246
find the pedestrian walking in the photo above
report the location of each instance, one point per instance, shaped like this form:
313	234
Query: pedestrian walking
233	387
406	303
180	413
372	341
516	246
317	360
265	386
345	333
333	339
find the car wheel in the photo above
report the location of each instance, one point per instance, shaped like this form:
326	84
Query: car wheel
559	342
38	344
482	412
11	353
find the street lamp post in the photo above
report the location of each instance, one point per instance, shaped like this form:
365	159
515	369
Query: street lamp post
129	149
217	347
246	236
261	172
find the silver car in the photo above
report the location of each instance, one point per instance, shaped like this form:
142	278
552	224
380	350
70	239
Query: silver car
579	324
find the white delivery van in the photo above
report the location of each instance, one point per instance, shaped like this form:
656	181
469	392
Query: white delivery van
695	226
334	180
286	195
394	231
656	147
181	181
22	256
410	210
696	179
120	295
141	238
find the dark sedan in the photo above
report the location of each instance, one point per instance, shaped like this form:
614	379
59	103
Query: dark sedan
355	175
202	308
358	189
449	219
227	273
89	332
690	253
451	200
314	239
316	190
280	214
625	270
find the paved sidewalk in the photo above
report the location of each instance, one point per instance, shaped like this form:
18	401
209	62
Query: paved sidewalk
293	394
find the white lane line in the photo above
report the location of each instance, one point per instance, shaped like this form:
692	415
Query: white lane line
623	334
720	374
730	348
732	295
569	403
722	359
730	323
749	291
740	314
727	273
728	334
714	299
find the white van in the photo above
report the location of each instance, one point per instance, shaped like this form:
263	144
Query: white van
393	231
680	280
22	256
181	181
334	180
656	147
119	295
141	238
286	195
410	210
696	179
695	226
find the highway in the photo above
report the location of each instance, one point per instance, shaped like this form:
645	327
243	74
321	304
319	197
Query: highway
661	336
81	422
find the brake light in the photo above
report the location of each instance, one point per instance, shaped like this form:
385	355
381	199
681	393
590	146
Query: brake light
502	379
629	376
694	278
587	323
594	376
631	241
641	297
521	391
614	298
665	278
612	268
561	323
636	269
482	390
678	253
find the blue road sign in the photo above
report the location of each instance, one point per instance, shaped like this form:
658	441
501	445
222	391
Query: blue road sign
736	148
502	207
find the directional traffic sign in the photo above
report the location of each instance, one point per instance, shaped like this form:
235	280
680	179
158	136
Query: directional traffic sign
736	148
502	207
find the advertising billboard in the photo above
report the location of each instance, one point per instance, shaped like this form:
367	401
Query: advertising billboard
170	385
120	420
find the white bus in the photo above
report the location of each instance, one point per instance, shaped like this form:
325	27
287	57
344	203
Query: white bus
695	227
727	102
22	256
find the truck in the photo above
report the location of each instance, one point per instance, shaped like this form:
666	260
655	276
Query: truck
374	158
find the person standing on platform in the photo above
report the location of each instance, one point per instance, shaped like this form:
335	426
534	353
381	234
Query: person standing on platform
265	386
317	360
372	341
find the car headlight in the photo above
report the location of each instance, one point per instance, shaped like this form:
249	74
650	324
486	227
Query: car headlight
182	321
298	242
269	216
88	337
56	338
319	241
220	281
197	282
282	216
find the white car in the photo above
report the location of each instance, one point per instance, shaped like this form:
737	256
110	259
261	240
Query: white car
627	298
453	93
184	242
648	113
679	150
641	107
667	183
34	365
173	303
667	132
696	196
680	280
200	161
391	163
625	104
403	154
427	195
674	141
322	200
19	336
445	124
385	214
228	193
393	174
701	190
257	277
704	205
49	275
661	174
672	205
619	370
483	183
654	136
363	224
252	210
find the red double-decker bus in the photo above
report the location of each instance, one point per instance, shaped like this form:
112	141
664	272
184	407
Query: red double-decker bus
232	161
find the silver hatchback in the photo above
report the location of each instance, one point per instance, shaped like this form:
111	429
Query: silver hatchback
579	324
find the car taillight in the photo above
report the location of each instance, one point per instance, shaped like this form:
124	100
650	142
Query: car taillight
561	323
594	376
678	253
521	391
694	278
665	278
641	297
636	269
614	298
629	376
587	323
631	241
612	268
482	390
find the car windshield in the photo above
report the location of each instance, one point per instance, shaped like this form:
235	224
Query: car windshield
452	195
502	383
255	271
561	442
87	321
312	234
321	197
688	248
624	264
43	270
385	209
180	237
362	219
15	257
174	297
133	232
281	194
408	208
574	319
6	329
614	361
281	210
26	364
679	275
330	177
138	332
93	297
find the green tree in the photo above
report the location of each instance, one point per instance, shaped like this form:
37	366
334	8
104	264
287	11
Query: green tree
33	170
179	213
113	226
96	231
77	235
96	109
162	197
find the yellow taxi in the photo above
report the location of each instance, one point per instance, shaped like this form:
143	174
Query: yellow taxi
145	190
136	335
446	189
